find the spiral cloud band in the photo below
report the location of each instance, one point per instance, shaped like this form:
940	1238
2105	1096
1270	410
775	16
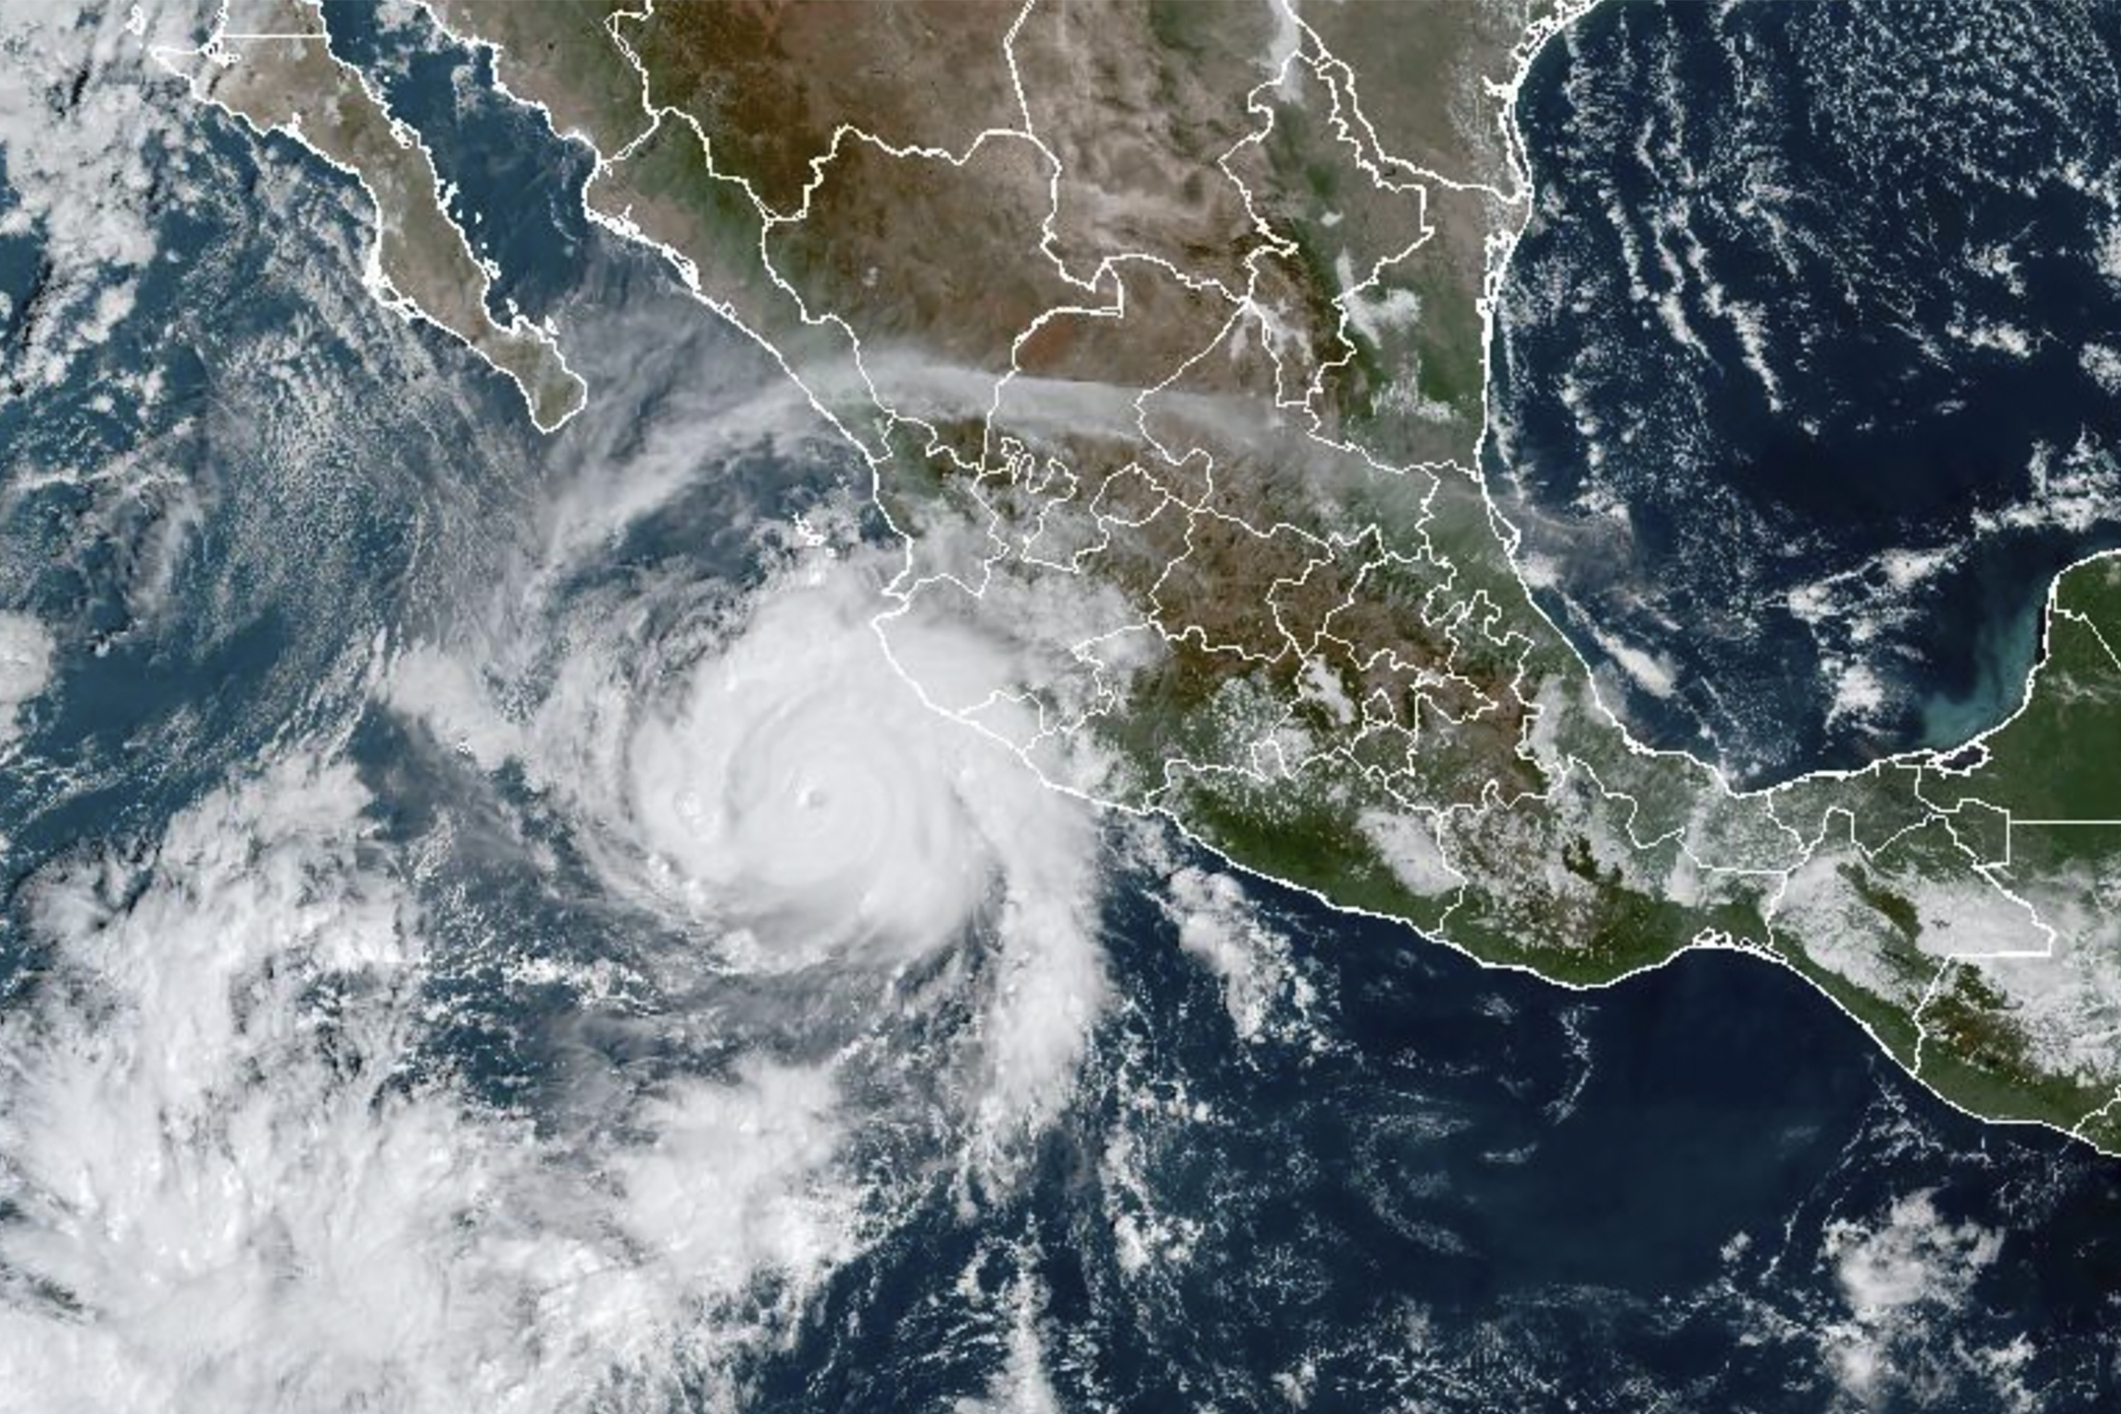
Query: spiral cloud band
801	792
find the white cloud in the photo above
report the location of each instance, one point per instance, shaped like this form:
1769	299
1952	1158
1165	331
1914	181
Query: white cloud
1218	924
1021	1386
2103	364
1912	1257
228	1200
81	165
25	668
1902	1280
802	794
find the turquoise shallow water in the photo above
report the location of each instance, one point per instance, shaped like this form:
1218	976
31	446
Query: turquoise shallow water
1830	349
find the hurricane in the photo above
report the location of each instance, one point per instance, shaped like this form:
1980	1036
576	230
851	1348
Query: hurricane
866	928
801	791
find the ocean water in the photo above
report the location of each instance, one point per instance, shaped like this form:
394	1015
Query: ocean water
475	1092
1446	1189
1805	383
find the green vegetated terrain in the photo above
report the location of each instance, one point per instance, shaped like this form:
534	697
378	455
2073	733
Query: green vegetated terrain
1335	674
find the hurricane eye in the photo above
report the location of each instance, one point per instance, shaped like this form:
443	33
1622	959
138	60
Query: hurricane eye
803	789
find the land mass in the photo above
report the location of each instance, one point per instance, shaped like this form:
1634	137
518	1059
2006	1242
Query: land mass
1163	327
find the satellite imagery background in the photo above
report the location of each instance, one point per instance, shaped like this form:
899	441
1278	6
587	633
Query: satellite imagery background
839	705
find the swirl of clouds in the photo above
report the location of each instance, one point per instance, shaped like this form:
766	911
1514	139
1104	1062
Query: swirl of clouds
244	1168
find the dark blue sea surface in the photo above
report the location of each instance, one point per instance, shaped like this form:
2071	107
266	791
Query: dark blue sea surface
1452	1189
1805	378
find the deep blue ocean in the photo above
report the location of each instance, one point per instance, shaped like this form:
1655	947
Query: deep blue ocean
1422	1184
1804	360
